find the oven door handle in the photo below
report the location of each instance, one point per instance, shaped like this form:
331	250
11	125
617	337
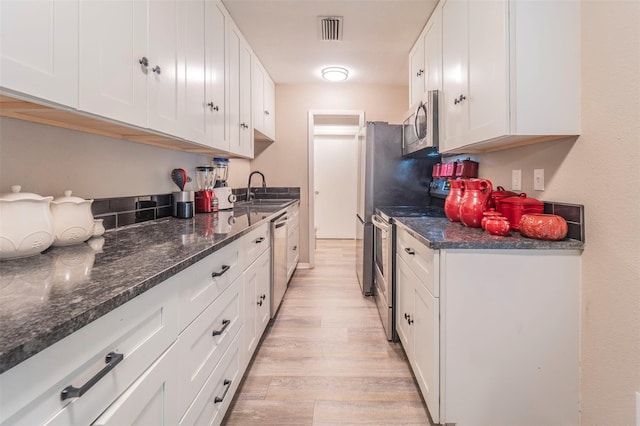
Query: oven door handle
379	223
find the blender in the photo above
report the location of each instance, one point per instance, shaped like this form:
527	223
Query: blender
205	177
221	189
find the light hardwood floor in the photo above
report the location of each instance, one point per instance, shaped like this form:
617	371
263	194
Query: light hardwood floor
325	359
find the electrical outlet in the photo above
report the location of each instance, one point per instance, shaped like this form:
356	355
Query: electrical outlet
516	180
538	179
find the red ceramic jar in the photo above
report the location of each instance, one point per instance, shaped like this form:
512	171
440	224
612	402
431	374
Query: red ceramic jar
497	225
474	202
488	215
514	207
499	194
543	226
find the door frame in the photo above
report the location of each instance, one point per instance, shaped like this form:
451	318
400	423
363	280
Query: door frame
311	167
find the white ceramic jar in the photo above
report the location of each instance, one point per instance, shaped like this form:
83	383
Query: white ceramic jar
26	224
72	218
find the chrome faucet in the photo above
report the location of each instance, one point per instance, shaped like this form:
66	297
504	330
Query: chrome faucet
264	184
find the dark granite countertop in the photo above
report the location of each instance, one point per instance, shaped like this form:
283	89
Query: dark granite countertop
440	233
47	297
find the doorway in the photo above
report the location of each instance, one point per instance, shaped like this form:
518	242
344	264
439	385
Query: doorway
333	170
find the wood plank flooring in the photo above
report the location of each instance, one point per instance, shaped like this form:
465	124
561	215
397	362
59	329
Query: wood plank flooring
325	359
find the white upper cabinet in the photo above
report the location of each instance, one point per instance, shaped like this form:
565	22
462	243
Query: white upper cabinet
505	82
115	64
201	99
163	80
416	71
39	49
239	88
263	101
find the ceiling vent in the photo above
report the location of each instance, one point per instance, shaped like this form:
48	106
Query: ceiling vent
330	28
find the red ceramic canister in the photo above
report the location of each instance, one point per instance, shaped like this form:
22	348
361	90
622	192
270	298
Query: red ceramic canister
467	168
499	194
514	207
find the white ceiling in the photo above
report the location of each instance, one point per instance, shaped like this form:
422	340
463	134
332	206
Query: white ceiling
377	36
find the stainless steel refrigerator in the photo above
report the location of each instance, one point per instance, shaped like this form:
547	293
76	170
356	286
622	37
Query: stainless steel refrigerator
385	178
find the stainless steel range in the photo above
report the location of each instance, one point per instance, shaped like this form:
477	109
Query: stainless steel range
384	258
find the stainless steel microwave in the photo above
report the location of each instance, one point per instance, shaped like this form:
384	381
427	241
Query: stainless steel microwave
420	127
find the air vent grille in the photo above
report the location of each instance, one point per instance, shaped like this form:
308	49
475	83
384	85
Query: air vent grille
330	28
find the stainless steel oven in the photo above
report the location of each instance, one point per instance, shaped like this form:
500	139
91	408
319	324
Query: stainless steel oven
383	291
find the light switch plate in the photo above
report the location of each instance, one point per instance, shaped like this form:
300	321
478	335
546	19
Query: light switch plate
516	180
538	179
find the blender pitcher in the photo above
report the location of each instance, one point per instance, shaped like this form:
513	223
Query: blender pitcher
225	196
205	176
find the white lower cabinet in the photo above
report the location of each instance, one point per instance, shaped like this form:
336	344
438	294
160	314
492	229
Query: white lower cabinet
151	400
173	355
257	283
500	345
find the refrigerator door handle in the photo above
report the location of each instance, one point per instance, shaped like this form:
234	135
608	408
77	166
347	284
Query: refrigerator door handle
379	223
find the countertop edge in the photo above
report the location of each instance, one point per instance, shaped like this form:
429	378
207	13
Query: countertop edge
41	340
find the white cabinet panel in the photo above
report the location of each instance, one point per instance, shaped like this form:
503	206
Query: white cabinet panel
263	92
151	400
140	330
215	33
39	49
257	287
203	343
163	64
113	74
416	71
405	285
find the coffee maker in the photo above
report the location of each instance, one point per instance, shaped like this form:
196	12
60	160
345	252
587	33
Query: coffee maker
221	189
205	177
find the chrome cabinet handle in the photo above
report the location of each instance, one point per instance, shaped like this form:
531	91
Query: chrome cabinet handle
459	99
144	61
264	296
409	320
226	383
266	112
244	126
156	69
409	251
224	269
112	359
259	240
419	73
213	107
225	324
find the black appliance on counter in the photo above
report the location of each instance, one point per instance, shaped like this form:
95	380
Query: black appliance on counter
385	179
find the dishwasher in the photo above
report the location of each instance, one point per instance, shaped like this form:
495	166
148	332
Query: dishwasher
278	261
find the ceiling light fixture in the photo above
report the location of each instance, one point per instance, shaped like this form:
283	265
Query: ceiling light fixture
335	73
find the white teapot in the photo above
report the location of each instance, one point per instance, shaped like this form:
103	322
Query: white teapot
26	224
72	218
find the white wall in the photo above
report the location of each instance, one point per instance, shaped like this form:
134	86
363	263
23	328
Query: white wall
599	170
48	160
286	161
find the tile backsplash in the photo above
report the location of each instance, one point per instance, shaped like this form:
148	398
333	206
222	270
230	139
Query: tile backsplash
123	211
572	213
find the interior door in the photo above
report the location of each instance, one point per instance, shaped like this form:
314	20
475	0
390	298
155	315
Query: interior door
336	160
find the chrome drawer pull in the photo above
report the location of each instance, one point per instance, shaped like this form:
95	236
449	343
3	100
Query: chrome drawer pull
224	269
409	251
112	359
259	240
225	324
226	383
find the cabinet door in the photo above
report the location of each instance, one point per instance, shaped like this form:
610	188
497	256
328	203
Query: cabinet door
293	240
404	309
455	78
258	97
113	74
433	52
233	82
269	107
263	292
192	97
426	348
488	98
163	63
246	133
250	311
39	49
215	30
416	72
151	400
257	287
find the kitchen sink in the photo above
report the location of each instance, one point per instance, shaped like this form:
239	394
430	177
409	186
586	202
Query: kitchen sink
265	202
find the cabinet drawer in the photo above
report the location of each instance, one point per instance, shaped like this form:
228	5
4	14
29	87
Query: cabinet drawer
422	260
256	242
204	342
140	330
151	400
213	400
198	285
